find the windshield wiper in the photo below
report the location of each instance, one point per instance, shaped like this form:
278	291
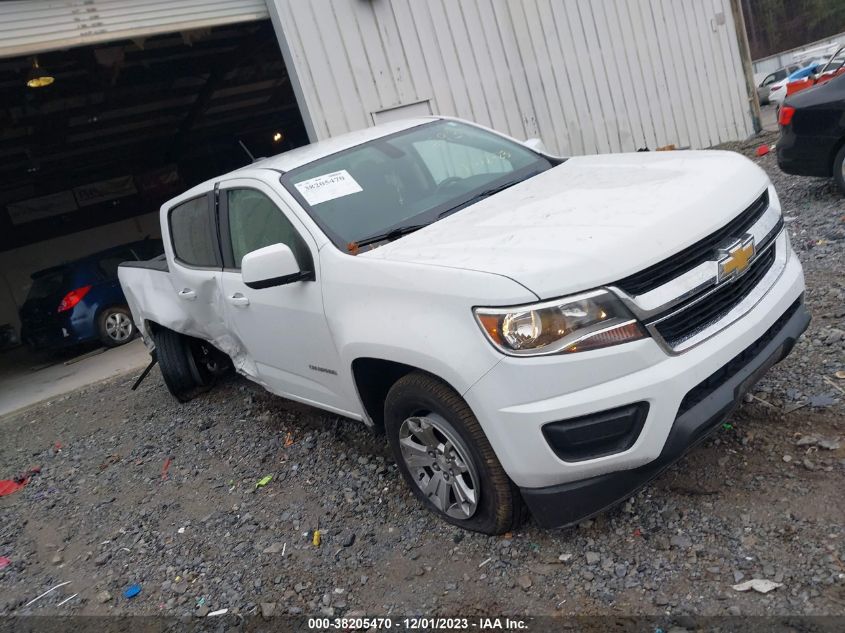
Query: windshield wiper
480	196
392	234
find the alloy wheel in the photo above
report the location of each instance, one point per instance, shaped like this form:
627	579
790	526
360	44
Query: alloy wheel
118	327
440	464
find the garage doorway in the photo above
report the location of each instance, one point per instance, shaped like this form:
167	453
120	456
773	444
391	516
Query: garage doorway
116	129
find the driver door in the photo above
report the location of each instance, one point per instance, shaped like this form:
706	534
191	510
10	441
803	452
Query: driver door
283	328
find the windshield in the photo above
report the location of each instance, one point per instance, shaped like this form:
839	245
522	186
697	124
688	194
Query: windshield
407	179
836	61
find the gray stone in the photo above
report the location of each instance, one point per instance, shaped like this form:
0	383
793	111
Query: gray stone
681	541
275	548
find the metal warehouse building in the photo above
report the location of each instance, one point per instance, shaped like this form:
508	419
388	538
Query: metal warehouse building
147	97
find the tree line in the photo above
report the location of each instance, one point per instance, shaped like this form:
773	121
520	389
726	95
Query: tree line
779	25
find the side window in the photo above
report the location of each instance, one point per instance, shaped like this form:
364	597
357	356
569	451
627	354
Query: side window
445	159
192	231
255	222
770	80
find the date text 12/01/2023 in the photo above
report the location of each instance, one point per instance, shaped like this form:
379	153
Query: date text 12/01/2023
417	623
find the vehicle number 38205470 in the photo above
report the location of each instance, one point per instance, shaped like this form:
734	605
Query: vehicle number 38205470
416	623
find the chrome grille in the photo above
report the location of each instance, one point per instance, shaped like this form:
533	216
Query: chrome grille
687	321
684	261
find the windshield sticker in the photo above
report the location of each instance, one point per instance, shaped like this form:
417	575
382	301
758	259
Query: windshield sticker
328	187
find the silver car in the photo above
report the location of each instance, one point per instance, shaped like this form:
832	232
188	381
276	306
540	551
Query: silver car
764	88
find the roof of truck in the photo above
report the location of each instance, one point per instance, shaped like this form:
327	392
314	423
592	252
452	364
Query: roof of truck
300	156
314	151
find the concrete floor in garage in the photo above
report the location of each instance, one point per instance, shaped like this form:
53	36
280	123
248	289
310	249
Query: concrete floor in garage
28	378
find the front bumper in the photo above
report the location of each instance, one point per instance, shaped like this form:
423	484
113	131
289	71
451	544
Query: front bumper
565	504
519	396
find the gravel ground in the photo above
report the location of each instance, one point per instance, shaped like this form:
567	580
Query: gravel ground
761	499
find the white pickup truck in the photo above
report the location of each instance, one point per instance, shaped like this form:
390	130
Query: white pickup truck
530	332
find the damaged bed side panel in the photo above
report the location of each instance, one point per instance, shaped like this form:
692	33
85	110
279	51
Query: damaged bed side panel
153	296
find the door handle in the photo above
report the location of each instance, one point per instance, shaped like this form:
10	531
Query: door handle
187	294
238	300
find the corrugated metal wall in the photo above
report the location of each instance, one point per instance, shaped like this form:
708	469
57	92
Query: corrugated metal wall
32	26
585	76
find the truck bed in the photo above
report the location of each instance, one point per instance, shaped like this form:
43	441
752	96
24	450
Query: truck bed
156	263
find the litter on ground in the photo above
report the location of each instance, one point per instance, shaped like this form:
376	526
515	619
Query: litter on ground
50	590
760	585
9	486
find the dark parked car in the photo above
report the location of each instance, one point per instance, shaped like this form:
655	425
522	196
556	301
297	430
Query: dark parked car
82	300
812	132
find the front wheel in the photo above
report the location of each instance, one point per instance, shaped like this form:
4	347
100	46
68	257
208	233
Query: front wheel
445	457
116	326
839	168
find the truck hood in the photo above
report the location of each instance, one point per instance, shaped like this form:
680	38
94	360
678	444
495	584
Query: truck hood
591	221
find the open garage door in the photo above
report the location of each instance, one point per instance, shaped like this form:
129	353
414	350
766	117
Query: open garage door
88	157
36	26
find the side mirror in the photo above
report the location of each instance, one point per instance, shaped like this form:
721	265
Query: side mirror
273	265
535	144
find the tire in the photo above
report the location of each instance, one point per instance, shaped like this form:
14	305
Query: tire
189	366
464	464
115	326
839	169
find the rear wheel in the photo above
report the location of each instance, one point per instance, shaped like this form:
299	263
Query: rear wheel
116	326
189	366
839	168
445	457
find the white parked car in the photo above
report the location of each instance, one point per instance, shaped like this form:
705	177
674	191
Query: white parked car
529	331
777	91
765	86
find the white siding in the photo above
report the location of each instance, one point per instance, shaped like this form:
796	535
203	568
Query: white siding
33	26
586	76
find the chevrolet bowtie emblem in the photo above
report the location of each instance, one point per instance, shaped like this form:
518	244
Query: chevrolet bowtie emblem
733	259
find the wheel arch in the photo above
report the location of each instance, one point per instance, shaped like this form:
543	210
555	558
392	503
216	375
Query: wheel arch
374	377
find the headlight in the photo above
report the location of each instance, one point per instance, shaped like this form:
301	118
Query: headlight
571	324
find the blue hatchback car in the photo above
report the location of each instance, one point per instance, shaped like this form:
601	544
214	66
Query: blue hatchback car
82	300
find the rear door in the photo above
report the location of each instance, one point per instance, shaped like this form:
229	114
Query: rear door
195	266
282	328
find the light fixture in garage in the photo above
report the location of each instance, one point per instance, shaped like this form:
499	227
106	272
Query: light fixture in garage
277	137
38	77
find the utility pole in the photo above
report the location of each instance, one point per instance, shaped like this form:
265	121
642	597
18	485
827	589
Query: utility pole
747	68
